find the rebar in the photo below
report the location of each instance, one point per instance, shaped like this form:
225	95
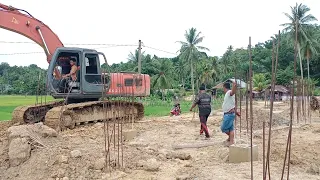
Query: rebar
103	77
240	107
36	113
236	101
251	112
263	150
273	82
288	147
247	103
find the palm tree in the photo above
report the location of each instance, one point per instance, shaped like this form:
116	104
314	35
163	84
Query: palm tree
180	69
208	73
226	60
310	46
259	82
133	58
190	49
299	19
161	81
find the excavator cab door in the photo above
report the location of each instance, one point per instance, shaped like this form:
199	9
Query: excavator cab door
92	82
60	64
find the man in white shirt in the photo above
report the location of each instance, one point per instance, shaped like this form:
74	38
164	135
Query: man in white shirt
228	108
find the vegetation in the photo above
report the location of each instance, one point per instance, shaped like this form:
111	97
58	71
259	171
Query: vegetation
153	105
9	103
193	66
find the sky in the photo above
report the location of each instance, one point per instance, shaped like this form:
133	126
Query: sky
157	23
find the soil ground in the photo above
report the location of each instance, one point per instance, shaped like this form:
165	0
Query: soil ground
147	156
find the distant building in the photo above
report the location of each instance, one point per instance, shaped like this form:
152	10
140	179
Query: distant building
240	83
280	92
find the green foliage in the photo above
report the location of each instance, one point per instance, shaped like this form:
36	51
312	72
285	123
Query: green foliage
193	66
21	80
153	105
9	103
316	92
260	82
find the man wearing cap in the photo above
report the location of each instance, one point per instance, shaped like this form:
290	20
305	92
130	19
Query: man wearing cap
203	100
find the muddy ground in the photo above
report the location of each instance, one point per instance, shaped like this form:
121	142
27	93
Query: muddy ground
150	155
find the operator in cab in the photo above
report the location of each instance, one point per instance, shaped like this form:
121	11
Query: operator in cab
73	71
72	75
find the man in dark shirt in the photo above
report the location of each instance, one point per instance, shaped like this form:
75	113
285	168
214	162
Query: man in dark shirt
203	100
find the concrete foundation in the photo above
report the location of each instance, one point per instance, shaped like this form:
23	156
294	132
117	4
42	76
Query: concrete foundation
242	153
129	134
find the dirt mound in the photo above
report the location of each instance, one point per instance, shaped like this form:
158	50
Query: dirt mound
23	138
305	150
279	118
79	153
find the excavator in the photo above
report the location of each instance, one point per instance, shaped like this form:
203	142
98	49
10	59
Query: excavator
82	102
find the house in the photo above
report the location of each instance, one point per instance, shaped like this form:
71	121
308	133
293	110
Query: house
241	84
280	92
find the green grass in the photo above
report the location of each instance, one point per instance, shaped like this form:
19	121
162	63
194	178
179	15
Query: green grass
163	108
155	107
152	106
9	103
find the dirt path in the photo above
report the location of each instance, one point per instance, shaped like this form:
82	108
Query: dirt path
153	144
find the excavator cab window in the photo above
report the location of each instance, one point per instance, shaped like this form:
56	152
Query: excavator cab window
92	74
91	64
63	65
64	61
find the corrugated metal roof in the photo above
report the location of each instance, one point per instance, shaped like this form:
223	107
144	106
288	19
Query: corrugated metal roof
239	82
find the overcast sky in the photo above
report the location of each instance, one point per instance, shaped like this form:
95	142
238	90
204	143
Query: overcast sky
158	23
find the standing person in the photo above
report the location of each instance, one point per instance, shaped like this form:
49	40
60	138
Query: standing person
213	96
228	108
203	100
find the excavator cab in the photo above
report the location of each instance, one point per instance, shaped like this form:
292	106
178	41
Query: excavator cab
89	82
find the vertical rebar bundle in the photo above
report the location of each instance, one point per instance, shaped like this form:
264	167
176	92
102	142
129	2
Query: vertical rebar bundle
41	90
247	102
251	112
113	141
240	99
275	56
288	147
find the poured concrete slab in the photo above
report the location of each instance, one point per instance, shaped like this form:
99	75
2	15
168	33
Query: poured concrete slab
242	153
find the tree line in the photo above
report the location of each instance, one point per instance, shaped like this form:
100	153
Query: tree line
193	66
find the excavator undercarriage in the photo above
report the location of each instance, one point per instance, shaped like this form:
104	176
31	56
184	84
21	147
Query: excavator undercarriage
60	117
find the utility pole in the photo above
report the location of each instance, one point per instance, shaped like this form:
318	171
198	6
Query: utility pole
139	58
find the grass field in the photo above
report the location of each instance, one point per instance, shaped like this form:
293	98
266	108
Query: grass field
9	103
153	107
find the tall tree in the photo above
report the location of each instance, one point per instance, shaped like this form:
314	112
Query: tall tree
190	49
300	20
310	45
161	81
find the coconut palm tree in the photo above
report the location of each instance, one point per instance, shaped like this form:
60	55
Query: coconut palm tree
133	58
161	81
310	45
190	49
226	60
300	19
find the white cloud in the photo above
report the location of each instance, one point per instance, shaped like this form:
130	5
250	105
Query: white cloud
158	24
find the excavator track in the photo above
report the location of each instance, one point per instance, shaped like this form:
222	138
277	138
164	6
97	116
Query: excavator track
71	115
33	113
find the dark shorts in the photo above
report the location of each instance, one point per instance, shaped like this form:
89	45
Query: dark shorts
204	111
227	123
